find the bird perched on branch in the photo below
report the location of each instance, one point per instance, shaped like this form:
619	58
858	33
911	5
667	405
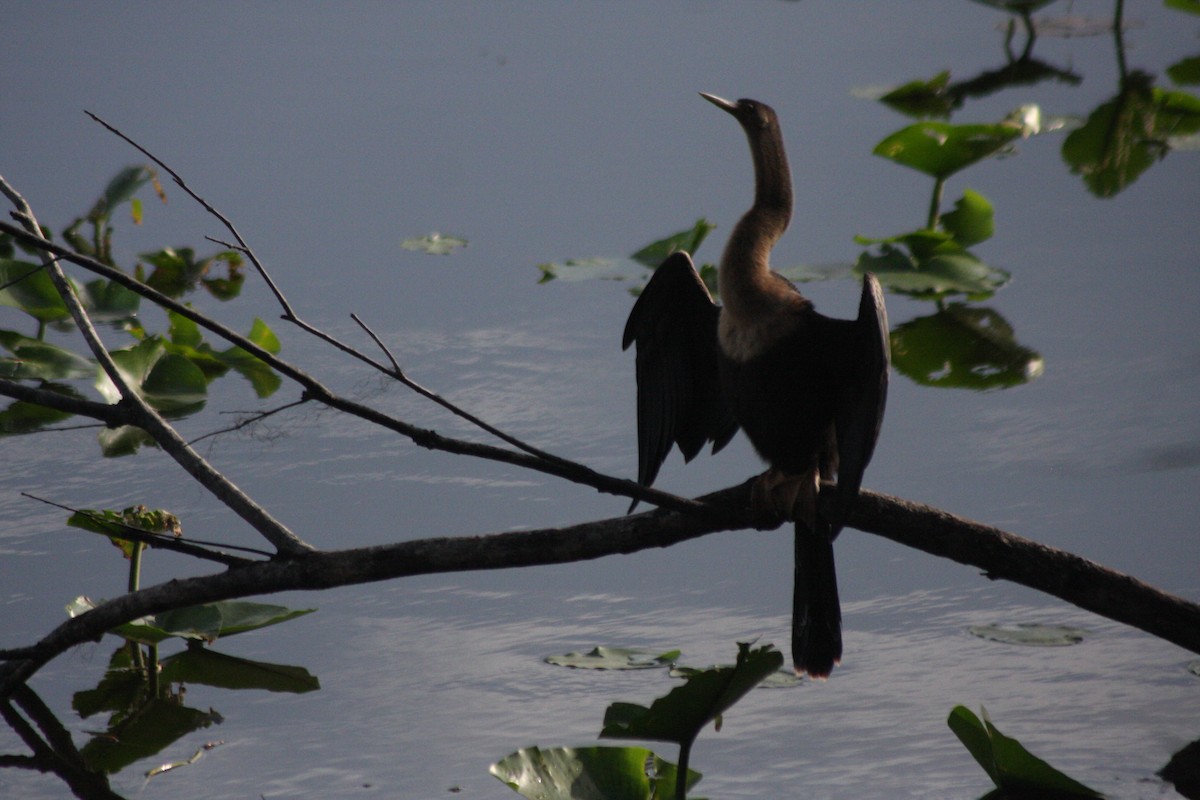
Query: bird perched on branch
808	390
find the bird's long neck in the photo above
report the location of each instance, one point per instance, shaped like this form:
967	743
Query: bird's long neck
746	282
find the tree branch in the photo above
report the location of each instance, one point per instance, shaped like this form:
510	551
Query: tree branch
998	553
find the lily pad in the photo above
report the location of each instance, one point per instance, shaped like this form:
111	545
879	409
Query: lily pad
602	657
434	244
941	149
1031	634
204	622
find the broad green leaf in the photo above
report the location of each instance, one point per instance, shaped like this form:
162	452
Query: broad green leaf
684	711
1031	634
588	269
168	381
1010	766
21	417
123	441
1185	72
33	359
201	665
940	149
942	273
28	287
434	244
205	622
963	347
587	773
688	240
616	658
971	221
183	330
107	301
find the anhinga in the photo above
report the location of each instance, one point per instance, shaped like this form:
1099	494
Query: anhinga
808	390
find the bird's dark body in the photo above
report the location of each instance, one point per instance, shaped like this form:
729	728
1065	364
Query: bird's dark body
808	390
786	398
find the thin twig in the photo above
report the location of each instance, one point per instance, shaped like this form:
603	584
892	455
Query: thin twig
423	437
251	419
207	207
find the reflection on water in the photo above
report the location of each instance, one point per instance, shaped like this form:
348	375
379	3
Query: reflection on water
428	685
425	682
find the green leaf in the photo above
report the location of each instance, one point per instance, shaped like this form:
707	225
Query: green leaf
946	271
21	417
33	359
688	240
107	301
434	244
971	221
963	347
1010	766
168	381
123	186
124	440
940	149
615	658
199	665
681	714
28	287
205	622
587	773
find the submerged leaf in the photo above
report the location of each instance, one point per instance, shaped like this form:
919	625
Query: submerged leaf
616	658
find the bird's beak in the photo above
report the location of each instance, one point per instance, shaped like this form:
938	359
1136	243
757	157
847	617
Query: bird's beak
720	102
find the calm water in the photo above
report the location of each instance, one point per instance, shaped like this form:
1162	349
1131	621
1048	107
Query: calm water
542	132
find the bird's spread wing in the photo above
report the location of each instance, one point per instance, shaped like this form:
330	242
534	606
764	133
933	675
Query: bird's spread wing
674	324
861	414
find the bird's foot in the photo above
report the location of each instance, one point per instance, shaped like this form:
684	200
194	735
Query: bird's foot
777	497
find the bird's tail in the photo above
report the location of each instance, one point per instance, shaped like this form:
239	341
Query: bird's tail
816	611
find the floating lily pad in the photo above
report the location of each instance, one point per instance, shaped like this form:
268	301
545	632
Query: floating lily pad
1031	634
613	658
435	244
941	149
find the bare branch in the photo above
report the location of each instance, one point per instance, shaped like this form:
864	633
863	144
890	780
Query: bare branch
315	390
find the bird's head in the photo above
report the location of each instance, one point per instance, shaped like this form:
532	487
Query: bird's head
753	115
